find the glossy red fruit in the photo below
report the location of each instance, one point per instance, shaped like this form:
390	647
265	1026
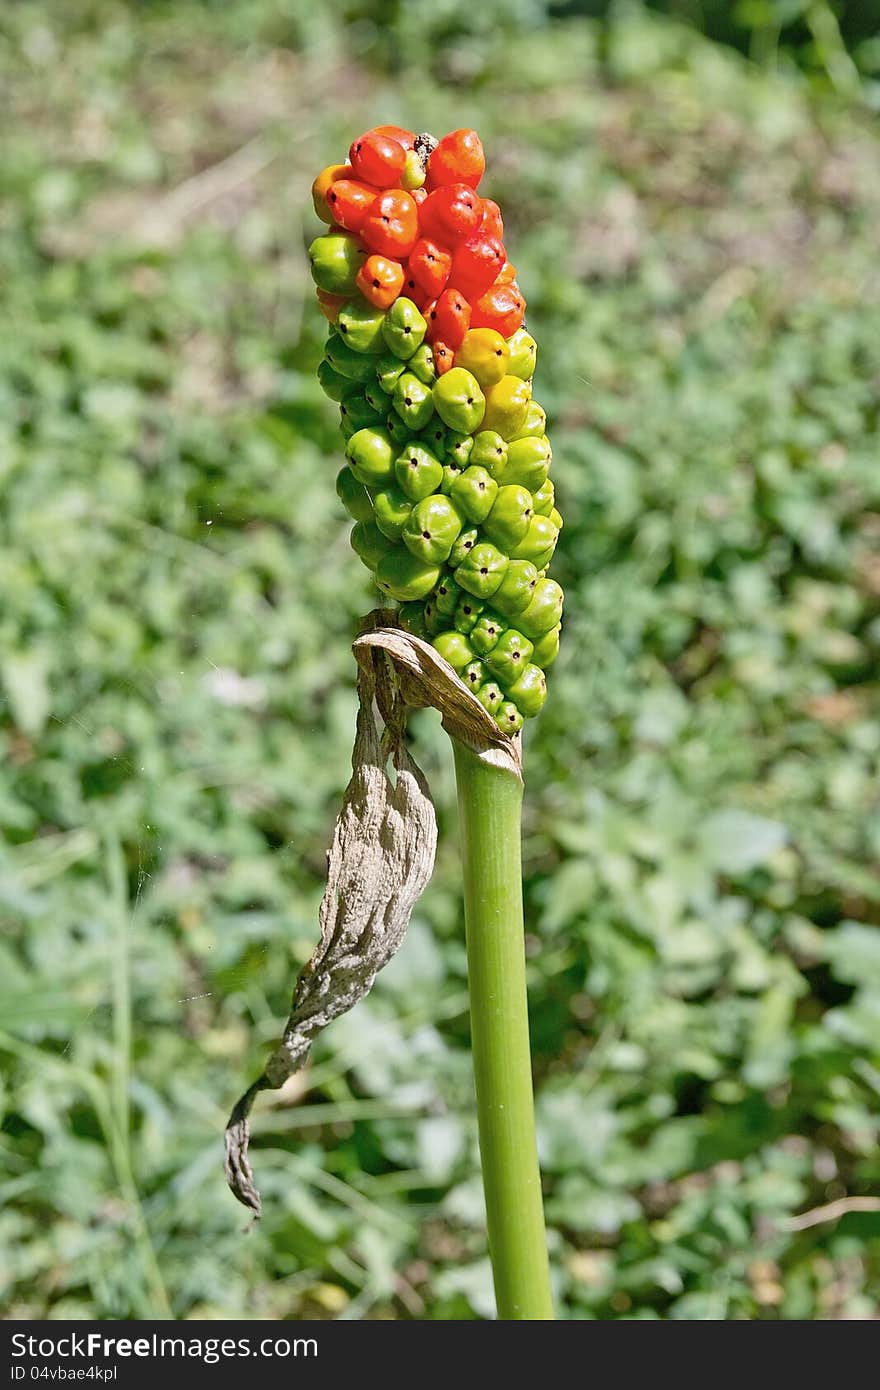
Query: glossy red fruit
492	223
476	264
396	132
507	274
429	265
448	318
419	195
391	226
421	298
450	214
349	201
502	307
377	159
380	280
458	158
444	357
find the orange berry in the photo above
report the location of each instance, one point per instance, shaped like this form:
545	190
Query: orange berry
391	226
377	159
448	318
458	158
502	307
349	202
444	357
380	280
323	182
429	266
396	132
330	304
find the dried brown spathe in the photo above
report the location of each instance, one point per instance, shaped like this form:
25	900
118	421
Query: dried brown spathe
382	853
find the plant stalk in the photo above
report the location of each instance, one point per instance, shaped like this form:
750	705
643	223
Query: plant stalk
489	806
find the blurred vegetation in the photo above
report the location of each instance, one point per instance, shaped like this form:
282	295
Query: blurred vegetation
698	242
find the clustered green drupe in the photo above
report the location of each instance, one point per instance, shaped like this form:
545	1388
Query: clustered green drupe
453	506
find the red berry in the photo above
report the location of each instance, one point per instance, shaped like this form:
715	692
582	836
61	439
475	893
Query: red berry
396	132
458	158
506	275
413	290
380	280
429	266
377	159
391	226
448	318
502	307
349	202
450	214
492	223
419	195
444	357
477	264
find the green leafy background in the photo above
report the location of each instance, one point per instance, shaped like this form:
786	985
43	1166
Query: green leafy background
697	236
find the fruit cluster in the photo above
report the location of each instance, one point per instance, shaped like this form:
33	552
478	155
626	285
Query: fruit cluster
448	460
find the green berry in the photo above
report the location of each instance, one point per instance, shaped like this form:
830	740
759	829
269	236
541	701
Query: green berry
435	435
459	401
413	401
398	429
482	570
490	452
412	615
547	648
418	471
490	696
508	658
391	509
370	453
357	366
360	326
332	383
451	474
543	500
388	369
454	648
535	423
538	543
544	611
474	675
459	448
368	543
508	718
508	521
529	691
356	413
402	576
336	258
404	328
353	496
556	518
467	614
432	528
486	632
375	396
517	588
474	491
434	621
463	546
528	462
446	595
523	354
421	364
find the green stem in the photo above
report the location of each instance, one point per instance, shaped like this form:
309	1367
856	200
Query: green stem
489	804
